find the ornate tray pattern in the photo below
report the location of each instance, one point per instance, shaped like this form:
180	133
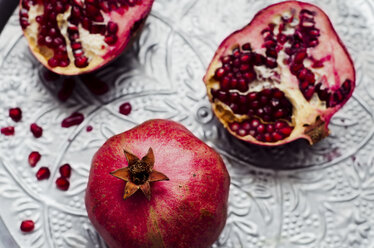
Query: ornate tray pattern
292	196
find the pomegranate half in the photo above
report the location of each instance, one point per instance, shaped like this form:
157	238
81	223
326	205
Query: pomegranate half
157	185
71	37
282	77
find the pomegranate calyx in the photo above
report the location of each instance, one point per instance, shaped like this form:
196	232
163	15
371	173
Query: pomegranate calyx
139	174
317	131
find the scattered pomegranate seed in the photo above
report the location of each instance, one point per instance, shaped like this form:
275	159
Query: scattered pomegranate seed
89	128
36	130
7	131
27	226
62	183
65	170
125	108
34	158
72	120
43	173
15	114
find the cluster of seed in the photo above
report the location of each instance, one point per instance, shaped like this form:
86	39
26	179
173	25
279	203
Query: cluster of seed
262	132
89	14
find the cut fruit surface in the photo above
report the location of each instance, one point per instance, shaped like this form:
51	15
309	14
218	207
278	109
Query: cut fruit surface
76	36
282	77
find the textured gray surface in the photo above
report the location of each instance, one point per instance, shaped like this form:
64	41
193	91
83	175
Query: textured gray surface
288	197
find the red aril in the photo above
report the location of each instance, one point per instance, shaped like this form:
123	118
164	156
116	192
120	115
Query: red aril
43	173
7	131
65	170
72	120
72	37
15	114
157	185
125	108
62	183
27	226
36	130
295	74
34	158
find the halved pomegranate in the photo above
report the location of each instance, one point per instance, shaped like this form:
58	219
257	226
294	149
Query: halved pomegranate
76	36
282	77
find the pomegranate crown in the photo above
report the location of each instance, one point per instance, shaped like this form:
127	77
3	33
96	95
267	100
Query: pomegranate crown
139	174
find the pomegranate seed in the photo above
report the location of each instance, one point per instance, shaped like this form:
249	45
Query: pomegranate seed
280	124
286	131
62	183
222	96
43	173
125	108
309	93
89	128
242	132
34	158
268	137
7	131
255	123
279	113
252	96
246	126
65	170
245	58
226	59
234	126
36	130
270	128
27	226
110	40
278	94
52	62
74	119
261	128
112	27
299	57
246	47
276	136
220	73
15	114
81	61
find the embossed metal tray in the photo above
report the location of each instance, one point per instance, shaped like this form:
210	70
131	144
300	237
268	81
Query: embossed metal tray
286	197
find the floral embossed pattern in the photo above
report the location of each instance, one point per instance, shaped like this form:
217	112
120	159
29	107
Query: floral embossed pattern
287	197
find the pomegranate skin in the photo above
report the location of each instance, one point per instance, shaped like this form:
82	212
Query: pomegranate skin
190	210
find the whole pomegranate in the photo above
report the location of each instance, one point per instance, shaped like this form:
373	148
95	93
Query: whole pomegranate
157	185
77	36
282	77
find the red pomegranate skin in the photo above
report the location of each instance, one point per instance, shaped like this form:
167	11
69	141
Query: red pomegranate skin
188	211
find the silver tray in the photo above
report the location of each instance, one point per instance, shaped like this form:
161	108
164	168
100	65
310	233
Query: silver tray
286	197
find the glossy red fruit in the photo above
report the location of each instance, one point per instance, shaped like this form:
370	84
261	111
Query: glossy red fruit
131	205
65	170
125	108
72	120
36	130
34	158
27	226
7	131
43	173
15	114
62	183
294	69
72	37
